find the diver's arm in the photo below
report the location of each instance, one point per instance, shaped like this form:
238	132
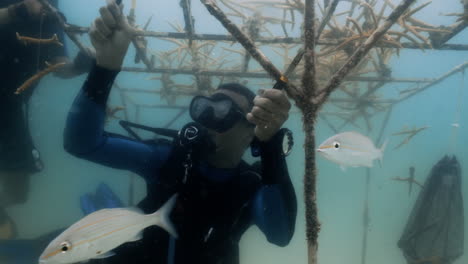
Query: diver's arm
275	205
85	137
84	132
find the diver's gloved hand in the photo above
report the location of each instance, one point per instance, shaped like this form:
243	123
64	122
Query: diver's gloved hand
111	35
270	111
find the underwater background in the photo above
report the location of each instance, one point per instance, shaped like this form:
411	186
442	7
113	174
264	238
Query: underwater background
55	192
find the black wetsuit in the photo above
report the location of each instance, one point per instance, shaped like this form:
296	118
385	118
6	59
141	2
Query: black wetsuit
215	206
18	62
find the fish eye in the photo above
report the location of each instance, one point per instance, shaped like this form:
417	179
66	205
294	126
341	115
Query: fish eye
336	145
65	247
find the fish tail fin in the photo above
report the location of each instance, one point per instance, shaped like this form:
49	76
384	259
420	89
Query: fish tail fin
382	150
162	216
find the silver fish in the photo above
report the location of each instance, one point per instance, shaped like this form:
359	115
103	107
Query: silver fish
98	233
351	149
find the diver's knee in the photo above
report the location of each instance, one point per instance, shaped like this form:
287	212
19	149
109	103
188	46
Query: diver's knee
77	146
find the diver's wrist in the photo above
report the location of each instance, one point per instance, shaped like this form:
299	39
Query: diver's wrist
271	145
270	153
99	83
108	65
104	72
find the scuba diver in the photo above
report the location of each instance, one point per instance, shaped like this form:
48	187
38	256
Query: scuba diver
27	251
19	159
220	195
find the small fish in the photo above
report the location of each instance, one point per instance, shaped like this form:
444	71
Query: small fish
351	149
94	236
456	125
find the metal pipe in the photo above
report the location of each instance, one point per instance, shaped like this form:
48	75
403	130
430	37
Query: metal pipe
263	75
270	40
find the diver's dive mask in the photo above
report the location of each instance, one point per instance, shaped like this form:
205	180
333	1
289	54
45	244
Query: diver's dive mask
218	112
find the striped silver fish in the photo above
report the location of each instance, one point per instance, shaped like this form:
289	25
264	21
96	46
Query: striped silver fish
351	149
98	233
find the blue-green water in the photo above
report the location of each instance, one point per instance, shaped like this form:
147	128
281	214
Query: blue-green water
53	201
